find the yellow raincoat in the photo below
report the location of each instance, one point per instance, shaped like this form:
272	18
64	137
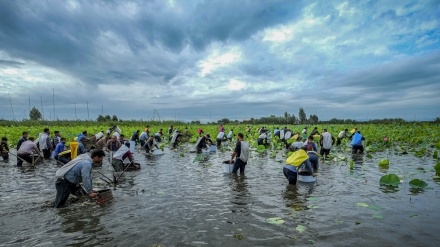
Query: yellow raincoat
297	158
74	150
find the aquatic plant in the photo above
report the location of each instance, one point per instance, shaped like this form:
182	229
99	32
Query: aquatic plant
437	169
384	163
418	184
390	180
275	220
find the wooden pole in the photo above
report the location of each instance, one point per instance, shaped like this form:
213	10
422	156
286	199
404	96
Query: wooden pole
75	111
42	109
88	116
12	109
53	101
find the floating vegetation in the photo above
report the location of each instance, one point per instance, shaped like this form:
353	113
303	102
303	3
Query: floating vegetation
238	236
300	228
418	184
420	152
362	204
377	216
437	169
384	163
390	180
275	220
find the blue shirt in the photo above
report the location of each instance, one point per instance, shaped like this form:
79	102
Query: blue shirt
81	172
356	139
58	149
81	148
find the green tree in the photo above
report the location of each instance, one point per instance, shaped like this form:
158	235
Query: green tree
114	118
313	119
100	118
35	114
107	118
302	116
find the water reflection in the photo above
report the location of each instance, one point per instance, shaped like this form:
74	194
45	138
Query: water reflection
295	196
388	189
358	159
241	196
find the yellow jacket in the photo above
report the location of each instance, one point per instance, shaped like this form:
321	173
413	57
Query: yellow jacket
297	158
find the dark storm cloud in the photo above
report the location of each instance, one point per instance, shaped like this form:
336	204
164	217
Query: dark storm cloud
66	37
9	63
407	73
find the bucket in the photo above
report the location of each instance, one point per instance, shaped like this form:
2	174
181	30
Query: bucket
227	168
132	145
104	196
99	135
212	148
306	179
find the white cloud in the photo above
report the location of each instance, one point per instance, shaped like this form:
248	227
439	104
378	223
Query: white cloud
217	59
235	85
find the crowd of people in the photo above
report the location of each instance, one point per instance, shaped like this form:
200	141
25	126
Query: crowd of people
76	168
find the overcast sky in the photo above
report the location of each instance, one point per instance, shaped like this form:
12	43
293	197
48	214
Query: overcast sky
207	60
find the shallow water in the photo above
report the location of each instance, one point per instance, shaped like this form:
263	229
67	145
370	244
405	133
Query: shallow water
173	201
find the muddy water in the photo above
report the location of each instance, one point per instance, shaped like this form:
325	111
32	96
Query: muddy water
174	201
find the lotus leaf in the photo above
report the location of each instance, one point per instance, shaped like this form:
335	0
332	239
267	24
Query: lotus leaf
437	145
238	236
384	162
275	220
362	204
417	184
377	216
300	228
351	165
261	147
421	152
437	169
435	155
390	180
273	155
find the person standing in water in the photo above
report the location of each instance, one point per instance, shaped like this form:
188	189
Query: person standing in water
241	153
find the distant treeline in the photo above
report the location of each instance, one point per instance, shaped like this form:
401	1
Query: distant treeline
272	119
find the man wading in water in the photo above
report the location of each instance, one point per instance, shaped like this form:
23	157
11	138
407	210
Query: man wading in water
73	173
242	153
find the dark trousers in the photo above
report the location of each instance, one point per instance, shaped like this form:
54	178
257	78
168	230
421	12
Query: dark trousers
338	142
219	142
118	165
261	141
64	189
46	153
356	148
5	156
142	142
290	175
25	157
324	151
314	160
239	164
62	159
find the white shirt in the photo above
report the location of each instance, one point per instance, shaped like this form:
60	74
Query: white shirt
230	134
221	135
342	134
326	140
